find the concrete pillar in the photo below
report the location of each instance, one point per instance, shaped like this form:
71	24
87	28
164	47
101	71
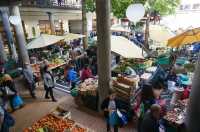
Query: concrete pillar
193	108
3	57
51	20
104	48
9	35
84	25
23	53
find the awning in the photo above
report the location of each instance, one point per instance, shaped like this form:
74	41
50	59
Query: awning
160	34
44	40
125	47
72	36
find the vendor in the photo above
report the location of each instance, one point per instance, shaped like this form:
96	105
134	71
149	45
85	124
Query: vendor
86	73
29	77
172	75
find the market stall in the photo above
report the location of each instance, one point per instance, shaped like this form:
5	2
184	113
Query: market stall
56	121
54	49
175	117
127	49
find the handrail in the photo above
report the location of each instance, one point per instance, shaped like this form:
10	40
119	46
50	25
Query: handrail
52	5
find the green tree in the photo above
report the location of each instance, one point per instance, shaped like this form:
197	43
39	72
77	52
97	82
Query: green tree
90	5
163	7
119	7
155	7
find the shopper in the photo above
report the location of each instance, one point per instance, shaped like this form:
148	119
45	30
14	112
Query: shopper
86	73
29	77
172	75
72	77
49	83
6	120
110	106
66	70
42	66
84	60
151	119
8	90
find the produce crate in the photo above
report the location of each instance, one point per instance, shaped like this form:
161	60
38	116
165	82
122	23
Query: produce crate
51	122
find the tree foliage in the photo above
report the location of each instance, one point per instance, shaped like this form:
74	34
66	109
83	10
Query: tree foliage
90	6
119	7
163	7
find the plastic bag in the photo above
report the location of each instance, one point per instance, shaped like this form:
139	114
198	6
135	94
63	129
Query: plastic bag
74	92
122	117
113	119
17	102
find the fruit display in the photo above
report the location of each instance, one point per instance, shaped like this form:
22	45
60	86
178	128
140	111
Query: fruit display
77	128
177	114
89	86
51	121
35	68
57	61
53	64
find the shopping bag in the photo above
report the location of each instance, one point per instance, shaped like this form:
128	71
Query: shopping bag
8	119
122	117
113	119
74	92
17	102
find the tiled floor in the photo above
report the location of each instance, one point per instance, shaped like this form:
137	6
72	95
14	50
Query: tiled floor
35	109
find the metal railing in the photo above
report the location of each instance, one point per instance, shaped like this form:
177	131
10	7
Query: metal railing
59	4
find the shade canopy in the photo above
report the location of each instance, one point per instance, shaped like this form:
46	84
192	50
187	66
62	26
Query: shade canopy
72	36
44	40
160	34
125	47
119	28
187	37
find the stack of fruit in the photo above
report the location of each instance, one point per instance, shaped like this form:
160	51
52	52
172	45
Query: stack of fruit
89	86
52	122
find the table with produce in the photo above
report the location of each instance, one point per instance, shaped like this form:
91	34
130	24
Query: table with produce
177	114
56	121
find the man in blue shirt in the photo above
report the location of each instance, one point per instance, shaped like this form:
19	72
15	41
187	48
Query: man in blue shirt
72	77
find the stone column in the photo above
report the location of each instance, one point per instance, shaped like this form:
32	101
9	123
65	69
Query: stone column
51	20
23	53
193	108
104	48
3	57
84	25
9	35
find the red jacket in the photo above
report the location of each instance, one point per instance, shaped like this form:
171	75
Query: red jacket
86	73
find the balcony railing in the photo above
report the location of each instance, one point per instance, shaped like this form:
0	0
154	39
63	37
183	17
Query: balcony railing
60	4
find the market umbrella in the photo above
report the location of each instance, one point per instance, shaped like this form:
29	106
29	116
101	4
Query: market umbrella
188	37
160	34
119	28
44	40
125	47
72	36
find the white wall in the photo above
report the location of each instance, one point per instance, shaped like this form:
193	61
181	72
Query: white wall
31	19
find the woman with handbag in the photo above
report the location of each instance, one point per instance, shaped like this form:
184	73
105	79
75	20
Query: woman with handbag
110	106
48	83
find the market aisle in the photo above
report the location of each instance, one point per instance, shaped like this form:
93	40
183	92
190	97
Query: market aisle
35	109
